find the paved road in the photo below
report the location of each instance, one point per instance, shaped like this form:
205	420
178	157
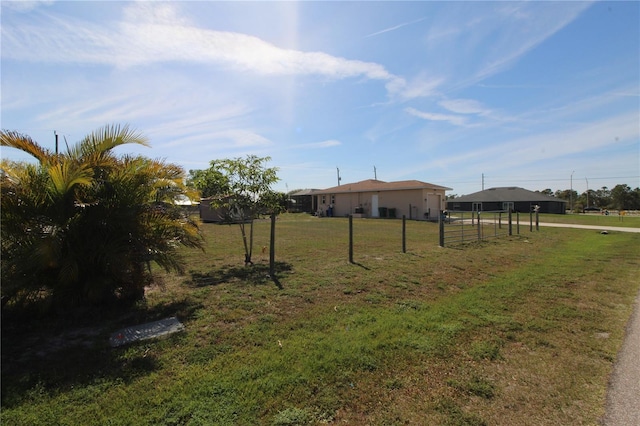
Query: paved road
623	395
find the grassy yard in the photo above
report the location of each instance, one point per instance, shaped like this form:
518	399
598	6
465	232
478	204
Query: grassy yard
514	331
597	219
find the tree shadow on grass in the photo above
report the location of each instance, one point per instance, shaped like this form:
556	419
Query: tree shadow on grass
257	274
49	355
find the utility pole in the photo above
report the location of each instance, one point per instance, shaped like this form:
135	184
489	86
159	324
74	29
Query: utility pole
571	193
375	174
339	178
483	181
56	135
587	191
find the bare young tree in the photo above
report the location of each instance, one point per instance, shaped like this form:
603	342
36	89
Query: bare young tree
241	187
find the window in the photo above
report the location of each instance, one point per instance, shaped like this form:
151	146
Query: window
333	199
507	206
324	200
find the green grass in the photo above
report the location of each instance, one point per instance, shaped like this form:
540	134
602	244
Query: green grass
519	330
597	219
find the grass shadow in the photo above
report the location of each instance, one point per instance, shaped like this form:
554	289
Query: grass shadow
257	274
415	255
366	268
53	354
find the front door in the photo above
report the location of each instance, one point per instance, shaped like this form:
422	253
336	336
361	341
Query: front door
433	204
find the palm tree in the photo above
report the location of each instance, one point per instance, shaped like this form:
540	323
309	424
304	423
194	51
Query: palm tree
84	226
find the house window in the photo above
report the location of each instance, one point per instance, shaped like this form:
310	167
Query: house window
324	200
333	199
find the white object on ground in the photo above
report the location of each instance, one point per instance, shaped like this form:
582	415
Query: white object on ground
146	331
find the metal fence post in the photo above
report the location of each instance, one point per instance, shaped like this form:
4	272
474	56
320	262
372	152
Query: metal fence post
479	228
441	227
272	247
404	233
510	224
350	238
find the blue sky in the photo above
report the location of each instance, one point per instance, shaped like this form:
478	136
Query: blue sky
525	93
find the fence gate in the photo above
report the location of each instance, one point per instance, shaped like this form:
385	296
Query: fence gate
459	227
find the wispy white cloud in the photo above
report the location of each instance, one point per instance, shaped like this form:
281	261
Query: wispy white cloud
464	106
573	140
241	138
423	85
474	41
156	32
570	110
324	144
431	116
395	27
211	80
529	26
525	152
26	5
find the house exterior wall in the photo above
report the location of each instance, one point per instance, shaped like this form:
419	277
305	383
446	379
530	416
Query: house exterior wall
209	213
419	204
553	207
518	206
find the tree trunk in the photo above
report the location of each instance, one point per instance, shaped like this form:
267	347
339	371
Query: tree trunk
248	246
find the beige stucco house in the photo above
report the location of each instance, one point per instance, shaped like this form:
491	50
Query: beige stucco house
374	198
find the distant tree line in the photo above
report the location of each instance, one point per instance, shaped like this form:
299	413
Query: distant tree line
621	197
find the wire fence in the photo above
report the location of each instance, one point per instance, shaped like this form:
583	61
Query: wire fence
336	239
459	227
295	239
359	238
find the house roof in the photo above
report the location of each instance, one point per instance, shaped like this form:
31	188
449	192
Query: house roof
372	185
501	194
304	192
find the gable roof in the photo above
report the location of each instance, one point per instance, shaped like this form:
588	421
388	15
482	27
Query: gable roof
508	193
372	185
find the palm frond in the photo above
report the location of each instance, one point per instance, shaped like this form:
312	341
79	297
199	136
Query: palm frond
65	175
103	140
97	249
24	143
